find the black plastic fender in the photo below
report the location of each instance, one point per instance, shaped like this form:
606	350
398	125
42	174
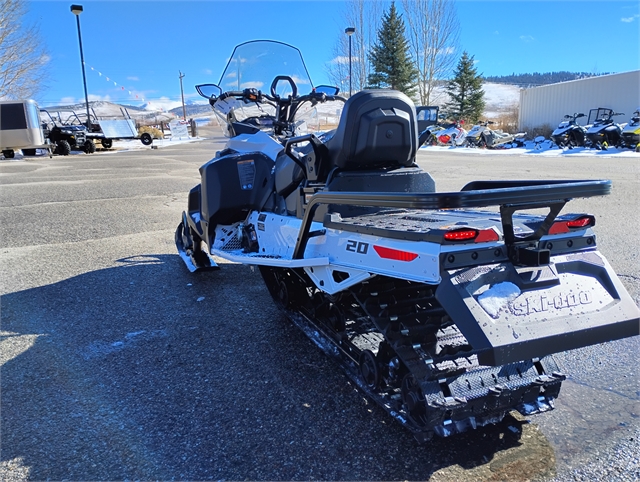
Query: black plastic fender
575	301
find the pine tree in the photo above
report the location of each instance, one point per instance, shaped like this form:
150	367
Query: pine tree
465	92
391	62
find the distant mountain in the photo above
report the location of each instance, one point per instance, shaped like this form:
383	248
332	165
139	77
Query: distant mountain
193	110
536	79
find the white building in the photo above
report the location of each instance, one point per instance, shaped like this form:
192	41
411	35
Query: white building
549	103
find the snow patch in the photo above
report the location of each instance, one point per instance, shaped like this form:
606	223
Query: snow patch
498	297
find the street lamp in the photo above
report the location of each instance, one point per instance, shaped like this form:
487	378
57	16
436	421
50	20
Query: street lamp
77	10
350	31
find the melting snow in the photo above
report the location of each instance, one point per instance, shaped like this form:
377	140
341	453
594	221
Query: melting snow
498	297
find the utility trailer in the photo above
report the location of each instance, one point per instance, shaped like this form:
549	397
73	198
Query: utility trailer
108	130
20	128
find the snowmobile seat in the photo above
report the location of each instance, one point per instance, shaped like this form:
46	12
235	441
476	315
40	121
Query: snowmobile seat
377	129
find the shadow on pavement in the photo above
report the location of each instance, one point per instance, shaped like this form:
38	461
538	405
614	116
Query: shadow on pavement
146	371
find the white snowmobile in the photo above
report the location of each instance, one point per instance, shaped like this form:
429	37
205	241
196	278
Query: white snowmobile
444	314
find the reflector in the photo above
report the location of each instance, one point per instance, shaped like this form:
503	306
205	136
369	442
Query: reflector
396	254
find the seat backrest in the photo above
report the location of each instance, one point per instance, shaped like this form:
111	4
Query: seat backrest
378	128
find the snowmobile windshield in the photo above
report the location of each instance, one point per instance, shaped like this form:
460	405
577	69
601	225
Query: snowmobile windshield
255	64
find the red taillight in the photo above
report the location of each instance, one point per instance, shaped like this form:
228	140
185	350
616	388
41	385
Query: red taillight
395	254
561	227
582	222
461	235
444	139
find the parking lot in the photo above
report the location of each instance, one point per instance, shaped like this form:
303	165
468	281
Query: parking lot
117	363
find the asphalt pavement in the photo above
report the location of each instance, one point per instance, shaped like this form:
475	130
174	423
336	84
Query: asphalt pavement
117	363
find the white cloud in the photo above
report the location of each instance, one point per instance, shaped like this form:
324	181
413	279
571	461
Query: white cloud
526	38
135	79
208	71
341	59
93	97
67	100
163	103
299	80
629	19
252	85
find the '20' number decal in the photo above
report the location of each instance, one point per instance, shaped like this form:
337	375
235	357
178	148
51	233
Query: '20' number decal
357	246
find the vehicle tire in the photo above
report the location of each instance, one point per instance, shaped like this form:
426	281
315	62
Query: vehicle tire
8	153
63	148
28	152
89	147
146	139
107	143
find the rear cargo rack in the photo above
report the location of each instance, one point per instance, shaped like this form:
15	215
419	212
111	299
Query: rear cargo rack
511	196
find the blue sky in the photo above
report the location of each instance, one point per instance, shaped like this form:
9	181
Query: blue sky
142	46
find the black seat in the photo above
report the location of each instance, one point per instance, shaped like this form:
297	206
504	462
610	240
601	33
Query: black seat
377	129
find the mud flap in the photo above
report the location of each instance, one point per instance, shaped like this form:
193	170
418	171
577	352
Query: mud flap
510	314
194	257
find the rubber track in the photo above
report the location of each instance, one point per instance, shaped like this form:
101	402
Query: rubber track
428	377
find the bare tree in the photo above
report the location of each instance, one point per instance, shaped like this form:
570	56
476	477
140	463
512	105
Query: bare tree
365	16
23	59
433	31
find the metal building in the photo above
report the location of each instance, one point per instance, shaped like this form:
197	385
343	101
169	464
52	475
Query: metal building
549	103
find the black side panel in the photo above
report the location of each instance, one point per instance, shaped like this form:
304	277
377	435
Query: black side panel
234	185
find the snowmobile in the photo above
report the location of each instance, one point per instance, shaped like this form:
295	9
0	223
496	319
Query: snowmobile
569	133
481	135
631	132
454	135
443	311
604	132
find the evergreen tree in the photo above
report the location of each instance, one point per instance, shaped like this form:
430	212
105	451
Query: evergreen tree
391	64
465	92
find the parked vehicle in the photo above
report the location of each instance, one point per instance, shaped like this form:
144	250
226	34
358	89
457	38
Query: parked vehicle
64	136
106	131
631	132
569	133
453	135
603	131
444	315
20	128
427	116
481	135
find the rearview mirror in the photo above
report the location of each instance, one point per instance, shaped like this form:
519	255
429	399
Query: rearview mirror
327	89
209	91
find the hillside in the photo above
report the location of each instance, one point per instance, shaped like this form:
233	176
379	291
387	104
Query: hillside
536	79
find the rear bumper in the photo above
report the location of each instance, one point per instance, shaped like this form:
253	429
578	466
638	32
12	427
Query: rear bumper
574	302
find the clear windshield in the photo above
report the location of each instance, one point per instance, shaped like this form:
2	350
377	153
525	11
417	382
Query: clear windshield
255	64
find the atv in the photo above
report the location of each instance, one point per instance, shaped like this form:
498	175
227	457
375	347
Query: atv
66	137
443	307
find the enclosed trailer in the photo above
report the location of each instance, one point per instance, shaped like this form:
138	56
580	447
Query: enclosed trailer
20	128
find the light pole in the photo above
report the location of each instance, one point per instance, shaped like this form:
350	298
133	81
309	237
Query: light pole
77	10
184	112
349	31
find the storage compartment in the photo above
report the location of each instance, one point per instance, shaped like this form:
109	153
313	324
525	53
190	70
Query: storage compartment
233	185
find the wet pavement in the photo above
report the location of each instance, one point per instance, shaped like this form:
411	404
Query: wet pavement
117	363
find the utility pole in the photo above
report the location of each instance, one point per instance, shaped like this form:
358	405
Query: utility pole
184	111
